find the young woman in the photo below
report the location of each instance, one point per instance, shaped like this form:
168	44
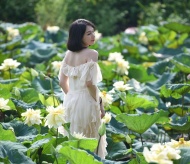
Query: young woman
79	75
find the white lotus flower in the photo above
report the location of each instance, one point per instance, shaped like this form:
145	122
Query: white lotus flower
55	118
107	118
119	85
53	29
106	98
161	154
114	56
3	104
32	117
97	35
9	64
122	67
56	65
78	135
179	144
12	33
143	38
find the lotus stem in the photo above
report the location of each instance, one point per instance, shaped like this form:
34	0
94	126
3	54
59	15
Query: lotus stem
141	139
98	144
10	73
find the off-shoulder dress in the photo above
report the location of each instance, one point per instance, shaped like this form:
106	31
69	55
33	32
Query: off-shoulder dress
82	110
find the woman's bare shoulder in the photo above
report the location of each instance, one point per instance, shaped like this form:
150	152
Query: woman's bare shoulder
92	54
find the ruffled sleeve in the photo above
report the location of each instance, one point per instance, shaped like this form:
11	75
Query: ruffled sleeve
92	73
63	69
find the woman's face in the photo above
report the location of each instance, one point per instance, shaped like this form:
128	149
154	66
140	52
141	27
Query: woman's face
88	37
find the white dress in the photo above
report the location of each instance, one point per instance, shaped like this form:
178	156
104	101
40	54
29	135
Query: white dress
82	111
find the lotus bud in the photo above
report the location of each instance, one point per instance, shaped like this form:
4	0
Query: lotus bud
102	129
128	139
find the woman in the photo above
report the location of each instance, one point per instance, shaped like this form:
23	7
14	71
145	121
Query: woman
79	75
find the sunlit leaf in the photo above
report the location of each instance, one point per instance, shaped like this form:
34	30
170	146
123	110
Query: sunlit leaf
77	156
15	152
139	122
7	135
182	62
175	90
179	28
134	101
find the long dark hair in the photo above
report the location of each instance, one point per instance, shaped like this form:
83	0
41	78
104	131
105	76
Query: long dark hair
76	32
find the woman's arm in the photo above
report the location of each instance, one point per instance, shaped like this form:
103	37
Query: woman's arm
64	83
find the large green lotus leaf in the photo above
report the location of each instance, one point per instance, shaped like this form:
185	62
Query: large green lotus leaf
76	156
115	150
20	129
33	45
43	85
13	44
178	27
51	101
139	122
21	105
175	90
15	152
163	79
39	143
118	137
182	62
115	109
139	73
7	135
107	69
179	124
58	37
184	128
86	143
139	159
134	101
160	68
30	30
8	84
29	95
41	55
185	151
26	76
5	93
179	109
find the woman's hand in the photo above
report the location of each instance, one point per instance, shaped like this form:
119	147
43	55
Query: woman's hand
102	109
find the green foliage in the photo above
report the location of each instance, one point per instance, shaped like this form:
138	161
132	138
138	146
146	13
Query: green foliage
155	109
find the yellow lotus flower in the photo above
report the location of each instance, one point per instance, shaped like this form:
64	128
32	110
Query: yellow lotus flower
114	56
3	104
106	98
179	144
12	33
122	67
106	119
143	38
9	64
161	154
53	29
55	118
32	117
56	65
119	85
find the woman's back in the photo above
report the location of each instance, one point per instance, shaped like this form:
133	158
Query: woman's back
80	67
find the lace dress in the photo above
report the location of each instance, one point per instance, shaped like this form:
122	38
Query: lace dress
82	111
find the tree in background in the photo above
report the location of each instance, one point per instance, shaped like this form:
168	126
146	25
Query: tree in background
110	17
